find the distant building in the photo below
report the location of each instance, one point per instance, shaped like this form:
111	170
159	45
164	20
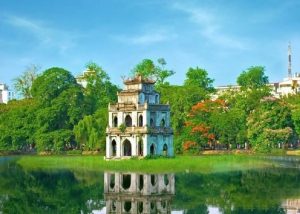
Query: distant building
290	85
82	79
138	193
138	124
5	94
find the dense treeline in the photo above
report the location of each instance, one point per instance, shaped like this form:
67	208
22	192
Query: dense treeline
58	114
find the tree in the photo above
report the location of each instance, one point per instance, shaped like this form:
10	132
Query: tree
253	78
90	131
148	69
269	124
17	125
199	77
51	83
99	91
23	83
60	107
161	72
202	130
294	103
229	126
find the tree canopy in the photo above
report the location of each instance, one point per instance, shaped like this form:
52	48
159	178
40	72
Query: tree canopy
148	69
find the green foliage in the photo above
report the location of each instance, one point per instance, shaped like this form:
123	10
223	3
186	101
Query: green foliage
253	78
90	131
148	69
23	83
122	128
269	124
55	141
296	120
199	77
230	126
60	109
99	91
51	84
17	125
294	102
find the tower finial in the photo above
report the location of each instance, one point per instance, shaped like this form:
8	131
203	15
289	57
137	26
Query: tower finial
289	61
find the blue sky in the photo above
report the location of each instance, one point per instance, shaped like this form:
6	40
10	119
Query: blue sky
223	37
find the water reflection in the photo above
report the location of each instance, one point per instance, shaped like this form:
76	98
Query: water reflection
291	206
261	191
138	193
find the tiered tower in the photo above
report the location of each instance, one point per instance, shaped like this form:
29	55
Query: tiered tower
138	124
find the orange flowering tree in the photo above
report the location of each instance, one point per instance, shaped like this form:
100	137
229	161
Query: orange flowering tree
199	128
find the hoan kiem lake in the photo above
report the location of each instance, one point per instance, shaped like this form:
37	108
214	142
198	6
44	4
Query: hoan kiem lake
210	184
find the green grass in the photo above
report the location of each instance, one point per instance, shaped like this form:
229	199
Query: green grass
203	164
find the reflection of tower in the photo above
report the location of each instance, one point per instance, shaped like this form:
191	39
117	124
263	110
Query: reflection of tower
289	61
291	206
138	193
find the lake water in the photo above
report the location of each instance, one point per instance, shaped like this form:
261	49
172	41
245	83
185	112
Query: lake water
272	190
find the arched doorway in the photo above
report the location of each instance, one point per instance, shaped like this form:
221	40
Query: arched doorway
114	148
152	149
115	121
128	121
140	147
126	148
165	149
140	120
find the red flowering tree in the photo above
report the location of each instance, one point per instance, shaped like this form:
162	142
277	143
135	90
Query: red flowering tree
199	127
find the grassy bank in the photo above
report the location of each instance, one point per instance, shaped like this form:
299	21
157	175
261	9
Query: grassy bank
204	164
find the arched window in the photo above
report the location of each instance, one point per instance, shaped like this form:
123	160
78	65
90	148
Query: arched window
153	180
153	207
165	149
156	99
127	206
112	181
166	180
126	148
115	121
163	123
152	150
141	182
126	181
140	120
140	207
128	121
151	122
114	148
113	206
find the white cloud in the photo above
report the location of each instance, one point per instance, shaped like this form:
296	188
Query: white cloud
210	26
147	38
47	36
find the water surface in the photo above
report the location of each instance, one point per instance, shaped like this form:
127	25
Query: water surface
269	190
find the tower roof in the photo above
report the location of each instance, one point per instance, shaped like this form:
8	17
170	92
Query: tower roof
137	80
